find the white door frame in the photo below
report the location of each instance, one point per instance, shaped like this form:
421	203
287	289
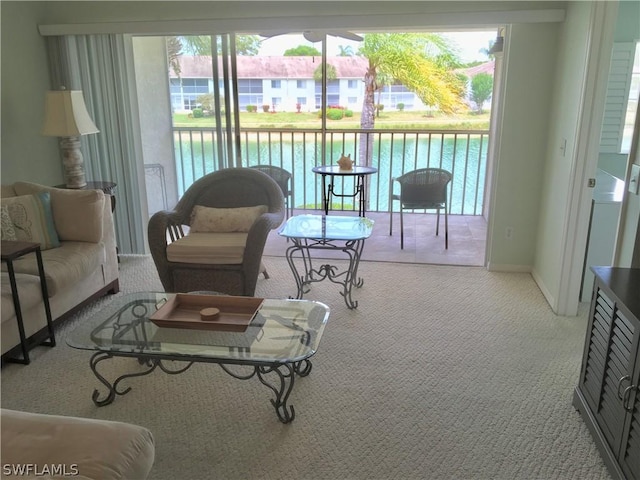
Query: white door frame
585	160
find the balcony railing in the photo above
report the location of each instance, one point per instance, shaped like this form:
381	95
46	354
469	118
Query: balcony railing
393	152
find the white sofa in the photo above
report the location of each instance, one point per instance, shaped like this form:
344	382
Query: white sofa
83	267
54	446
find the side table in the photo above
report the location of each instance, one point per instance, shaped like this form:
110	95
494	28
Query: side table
12	250
323	232
360	187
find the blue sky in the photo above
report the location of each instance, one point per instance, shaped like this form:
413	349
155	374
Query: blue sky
468	43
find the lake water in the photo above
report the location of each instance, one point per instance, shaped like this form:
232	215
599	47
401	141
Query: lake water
465	156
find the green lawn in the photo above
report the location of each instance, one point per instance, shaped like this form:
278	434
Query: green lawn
391	120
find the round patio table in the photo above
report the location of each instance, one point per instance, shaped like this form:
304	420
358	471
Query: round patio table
359	191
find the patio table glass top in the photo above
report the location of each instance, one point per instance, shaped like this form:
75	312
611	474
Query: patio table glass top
327	227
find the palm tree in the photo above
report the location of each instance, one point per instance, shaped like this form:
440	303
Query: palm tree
345	51
174	50
422	62
487	51
382	80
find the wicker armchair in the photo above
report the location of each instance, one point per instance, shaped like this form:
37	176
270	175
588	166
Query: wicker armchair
224	189
422	189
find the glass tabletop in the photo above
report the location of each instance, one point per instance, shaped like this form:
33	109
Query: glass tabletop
327	227
282	331
336	170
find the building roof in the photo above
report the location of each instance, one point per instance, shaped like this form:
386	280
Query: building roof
274	67
487	67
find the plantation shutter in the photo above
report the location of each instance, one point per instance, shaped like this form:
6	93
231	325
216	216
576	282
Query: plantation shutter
617	97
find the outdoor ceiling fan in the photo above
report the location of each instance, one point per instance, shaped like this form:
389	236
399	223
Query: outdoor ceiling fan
314	36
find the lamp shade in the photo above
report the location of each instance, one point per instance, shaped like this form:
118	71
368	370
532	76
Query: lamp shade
65	115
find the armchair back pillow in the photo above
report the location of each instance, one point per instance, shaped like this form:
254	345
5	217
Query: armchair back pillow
225	220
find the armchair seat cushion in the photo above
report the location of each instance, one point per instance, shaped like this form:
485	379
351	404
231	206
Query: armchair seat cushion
208	248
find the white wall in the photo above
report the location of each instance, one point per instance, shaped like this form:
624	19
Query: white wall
576	119
25	154
628	251
567	95
155	118
628	248
520	156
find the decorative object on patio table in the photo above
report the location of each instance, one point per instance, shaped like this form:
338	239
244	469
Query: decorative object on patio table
345	163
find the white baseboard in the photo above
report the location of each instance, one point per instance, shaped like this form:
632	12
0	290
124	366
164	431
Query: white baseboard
506	267
545	291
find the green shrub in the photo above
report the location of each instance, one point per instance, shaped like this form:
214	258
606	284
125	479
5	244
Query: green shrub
400	106
197	113
348	113
252	108
335	114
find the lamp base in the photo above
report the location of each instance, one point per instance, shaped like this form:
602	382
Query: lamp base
73	162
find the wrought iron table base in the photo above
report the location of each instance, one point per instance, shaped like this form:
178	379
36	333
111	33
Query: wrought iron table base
347	278
359	192
281	386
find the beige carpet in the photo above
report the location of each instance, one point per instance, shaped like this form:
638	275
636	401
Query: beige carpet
441	373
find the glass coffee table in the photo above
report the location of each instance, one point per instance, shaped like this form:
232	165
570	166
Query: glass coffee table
327	232
275	346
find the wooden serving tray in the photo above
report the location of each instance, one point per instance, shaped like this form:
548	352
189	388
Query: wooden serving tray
183	311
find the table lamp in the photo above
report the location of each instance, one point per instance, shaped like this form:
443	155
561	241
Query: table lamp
66	116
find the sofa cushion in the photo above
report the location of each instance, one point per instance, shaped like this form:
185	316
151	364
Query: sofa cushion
225	220
69	264
7	191
77	214
29	294
32	219
208	248
90	448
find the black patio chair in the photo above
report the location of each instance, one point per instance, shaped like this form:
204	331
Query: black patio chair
283	178
422	189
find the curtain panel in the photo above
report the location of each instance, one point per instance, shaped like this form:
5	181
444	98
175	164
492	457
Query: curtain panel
102	67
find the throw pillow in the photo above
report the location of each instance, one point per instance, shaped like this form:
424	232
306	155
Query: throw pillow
225	220
8	232
77	214
32	219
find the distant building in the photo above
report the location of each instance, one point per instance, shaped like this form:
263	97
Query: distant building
285	82
487	67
